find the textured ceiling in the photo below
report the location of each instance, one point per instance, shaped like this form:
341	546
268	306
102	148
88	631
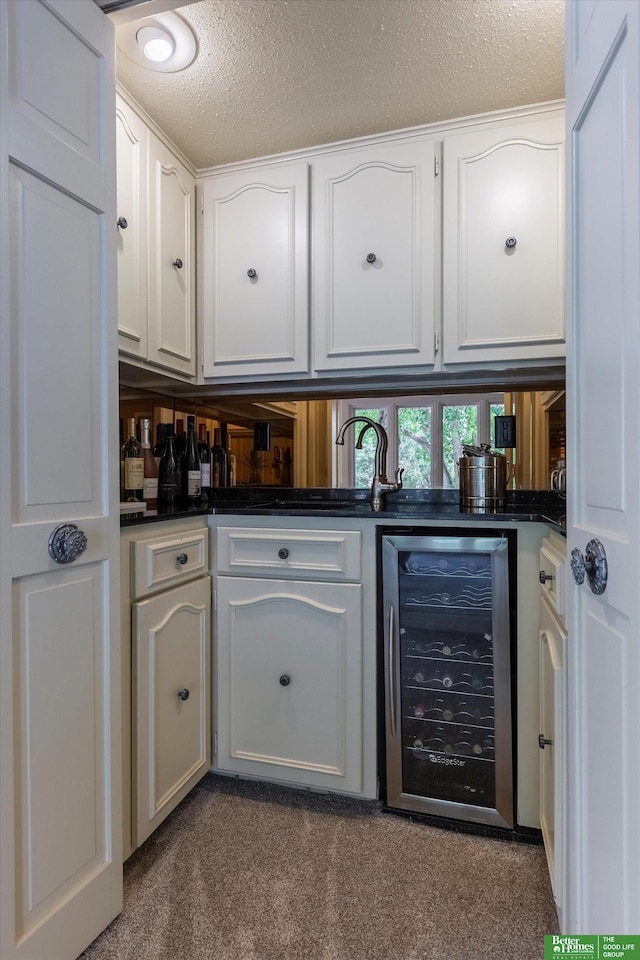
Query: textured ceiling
278	75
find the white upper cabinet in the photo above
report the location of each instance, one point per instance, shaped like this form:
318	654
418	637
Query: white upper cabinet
171	261
156	249
503	243
131	147
255	262
374	264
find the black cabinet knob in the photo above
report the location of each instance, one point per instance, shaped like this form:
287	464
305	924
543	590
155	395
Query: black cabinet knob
178	264
371	258
182	558
183	694
251	273
283	553
510	243
285	680
122	223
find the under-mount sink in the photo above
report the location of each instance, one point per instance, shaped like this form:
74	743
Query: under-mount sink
312	505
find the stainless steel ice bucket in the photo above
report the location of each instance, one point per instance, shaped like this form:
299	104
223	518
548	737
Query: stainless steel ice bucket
483	479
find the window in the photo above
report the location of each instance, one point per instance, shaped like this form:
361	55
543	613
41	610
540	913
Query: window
426	437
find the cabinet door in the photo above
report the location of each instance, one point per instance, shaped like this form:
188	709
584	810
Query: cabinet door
171	261
60	836
504	301
255	272
552	763
289	681
131	162
172	739
374	278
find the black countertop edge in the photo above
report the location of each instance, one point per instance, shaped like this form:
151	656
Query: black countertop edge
538	506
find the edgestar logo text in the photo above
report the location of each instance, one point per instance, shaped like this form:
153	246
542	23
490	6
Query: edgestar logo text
448	761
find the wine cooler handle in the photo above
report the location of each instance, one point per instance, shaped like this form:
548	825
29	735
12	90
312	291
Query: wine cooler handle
392	672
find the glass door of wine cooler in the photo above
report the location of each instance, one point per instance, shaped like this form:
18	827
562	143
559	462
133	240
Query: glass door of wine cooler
447	648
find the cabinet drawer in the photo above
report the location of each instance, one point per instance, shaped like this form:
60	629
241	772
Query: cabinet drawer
317	554
165	561
552	564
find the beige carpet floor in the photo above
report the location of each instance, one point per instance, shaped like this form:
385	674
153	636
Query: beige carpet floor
249	871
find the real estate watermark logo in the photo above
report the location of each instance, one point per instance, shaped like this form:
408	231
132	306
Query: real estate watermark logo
593	948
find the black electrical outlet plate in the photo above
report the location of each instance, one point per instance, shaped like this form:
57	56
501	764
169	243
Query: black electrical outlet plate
505	432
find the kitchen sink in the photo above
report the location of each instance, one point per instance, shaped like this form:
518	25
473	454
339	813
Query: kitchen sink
306	505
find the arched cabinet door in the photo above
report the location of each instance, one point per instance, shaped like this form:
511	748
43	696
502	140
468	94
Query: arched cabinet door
503	243
131	230
254	266
172	735
289	689
374	274
172	266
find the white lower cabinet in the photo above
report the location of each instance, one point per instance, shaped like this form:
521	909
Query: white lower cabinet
172	670
552	743
289	681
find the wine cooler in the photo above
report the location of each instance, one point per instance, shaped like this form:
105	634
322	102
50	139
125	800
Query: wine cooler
447	675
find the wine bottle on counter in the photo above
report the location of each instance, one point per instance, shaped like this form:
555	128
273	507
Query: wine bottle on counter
218	461
224	443
150	482
180	439
204	452
232	467
170	476
158	449
191	472
133	458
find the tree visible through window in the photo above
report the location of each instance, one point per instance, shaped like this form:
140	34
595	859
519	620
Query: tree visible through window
426	437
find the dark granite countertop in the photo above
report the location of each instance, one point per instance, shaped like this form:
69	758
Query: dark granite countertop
540	506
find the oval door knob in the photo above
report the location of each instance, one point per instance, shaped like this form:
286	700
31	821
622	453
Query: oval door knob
183	694
285	680
122	223
178	263
543	742
182	558
251	273
593	565
510	243
371	258
66	543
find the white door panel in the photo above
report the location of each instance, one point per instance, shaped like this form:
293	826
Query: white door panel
60	856
62	834
55	322
603	658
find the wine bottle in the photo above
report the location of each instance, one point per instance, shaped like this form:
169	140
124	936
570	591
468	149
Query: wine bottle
180	439
150	483
133	464
121	459
158	449
191	472
204	452
232	467
218	461
224	443
170	477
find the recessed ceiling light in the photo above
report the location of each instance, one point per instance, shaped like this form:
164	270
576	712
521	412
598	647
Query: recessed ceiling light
164	42
156	44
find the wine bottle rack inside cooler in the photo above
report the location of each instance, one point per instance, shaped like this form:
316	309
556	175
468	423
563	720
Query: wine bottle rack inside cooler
449	606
